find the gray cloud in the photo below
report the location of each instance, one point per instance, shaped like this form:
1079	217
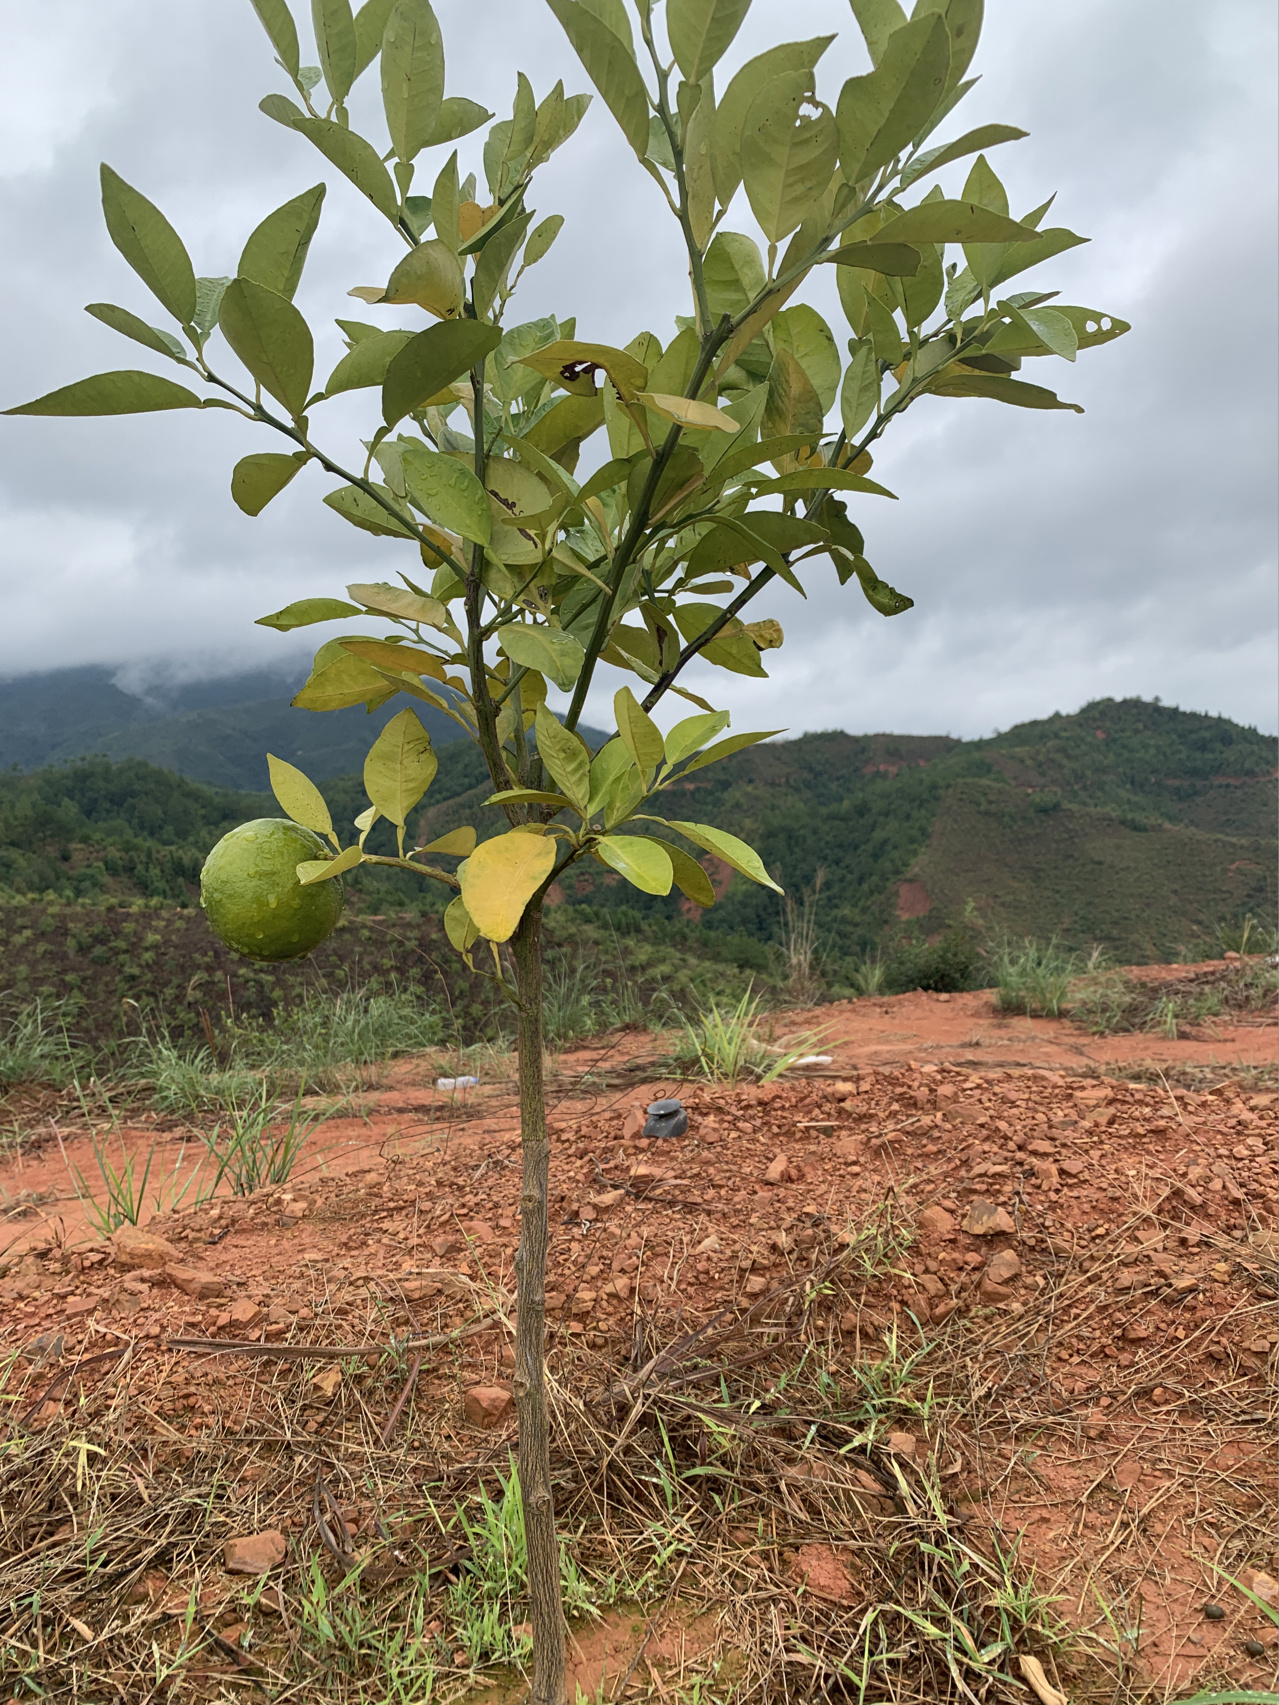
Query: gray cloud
1053	558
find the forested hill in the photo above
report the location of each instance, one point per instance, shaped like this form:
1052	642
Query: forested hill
1129	823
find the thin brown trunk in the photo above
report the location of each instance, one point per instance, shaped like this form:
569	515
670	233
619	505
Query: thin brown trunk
545	1605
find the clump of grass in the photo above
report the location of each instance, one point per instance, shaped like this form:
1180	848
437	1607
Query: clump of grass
35	1044
869	973
256	1146
801	951
1033	977
725	1046
1247	937
188	1081
360	1026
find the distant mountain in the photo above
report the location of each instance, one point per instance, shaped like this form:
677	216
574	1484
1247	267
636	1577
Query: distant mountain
216	731
1134	825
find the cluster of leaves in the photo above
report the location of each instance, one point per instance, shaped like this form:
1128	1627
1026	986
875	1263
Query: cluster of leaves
722	476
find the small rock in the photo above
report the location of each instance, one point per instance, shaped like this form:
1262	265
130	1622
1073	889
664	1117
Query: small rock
1003	1266
131	1247
708	1245
778	1170
479	1231
990	1292
487	1405
1073	1168
247	1316
935	1225
1266	1587
75	1307
633	1123
255	1554
196	1282
902	1444
1135	1334
1047	1174
819	1127
986	1219
608	1199
1039	1146
327	1381
1096	1424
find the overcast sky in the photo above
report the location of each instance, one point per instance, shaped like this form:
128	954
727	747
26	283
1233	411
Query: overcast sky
1053	558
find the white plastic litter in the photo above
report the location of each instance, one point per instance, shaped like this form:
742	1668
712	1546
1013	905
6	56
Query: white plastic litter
456	1082
816	1060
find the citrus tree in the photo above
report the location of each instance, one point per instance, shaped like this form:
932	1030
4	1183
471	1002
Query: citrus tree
555	506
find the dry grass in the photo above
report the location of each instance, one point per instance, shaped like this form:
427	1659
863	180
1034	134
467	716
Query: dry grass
702	1473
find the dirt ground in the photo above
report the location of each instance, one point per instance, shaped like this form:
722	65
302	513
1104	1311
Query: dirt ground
1036	1267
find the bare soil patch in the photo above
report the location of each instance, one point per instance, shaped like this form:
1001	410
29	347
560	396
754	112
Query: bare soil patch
875	1383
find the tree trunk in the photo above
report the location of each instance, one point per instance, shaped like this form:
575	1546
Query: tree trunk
545	1605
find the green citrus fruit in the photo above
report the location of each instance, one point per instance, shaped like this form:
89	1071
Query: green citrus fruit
251	895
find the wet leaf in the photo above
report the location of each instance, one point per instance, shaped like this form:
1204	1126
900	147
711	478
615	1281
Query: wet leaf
356	506
401	602
367	363
730	116
276	250
431	277
557	655
256	479
335	42
355	158
449	492
565	756
277	21
324	869
299	797
412	76
859	395
431	361
272	340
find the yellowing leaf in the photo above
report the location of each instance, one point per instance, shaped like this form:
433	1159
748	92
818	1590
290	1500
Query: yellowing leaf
640	734
400	601
566	757
321	869
645	864
684	412
788	155
500	878
459	926
459	843
300	798
400	766
429	276
385	654
573	365
690	878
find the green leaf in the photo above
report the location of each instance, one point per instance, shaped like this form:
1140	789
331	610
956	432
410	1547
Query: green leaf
566	757
701	32
1002	390
734	273
306	612
767	450
885	335
1092	328
731	648
552	653
788	155
344	682
355	158
880	113
567	422
923	291
501	877
726	748
367	363
730	546
282	110
276	251
335	40
878	19
955	222
689	876
804	333
448	491
370	24
412	76
150	245
693	733
645	864
324	869
822	479
272	340
985	136
734	853
540	239
129	325
277	21
879	594
430	276
208	303
460	927
458	117
793	406
610	65
494	262
1055	329
893	260
299	797
400	602
963	25
1042	246
125	392
256	479
400	767
357	507
640	734
730	115
431	361
859	395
